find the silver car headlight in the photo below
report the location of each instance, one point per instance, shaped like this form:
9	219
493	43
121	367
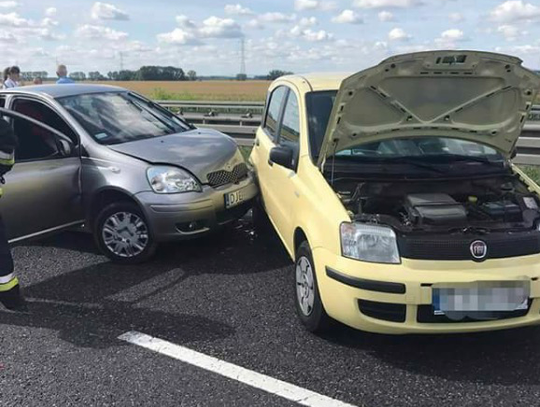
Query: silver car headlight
373	243
171	180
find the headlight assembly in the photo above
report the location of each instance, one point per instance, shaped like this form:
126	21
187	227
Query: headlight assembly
171	180
373	243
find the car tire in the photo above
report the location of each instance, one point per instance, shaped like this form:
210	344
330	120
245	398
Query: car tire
123	235
309	306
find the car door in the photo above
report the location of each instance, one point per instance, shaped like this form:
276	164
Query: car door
42	191
283	181
264	142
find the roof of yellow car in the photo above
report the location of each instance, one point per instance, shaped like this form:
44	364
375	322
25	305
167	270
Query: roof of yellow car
320	80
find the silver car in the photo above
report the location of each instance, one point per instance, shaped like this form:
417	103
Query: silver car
124	167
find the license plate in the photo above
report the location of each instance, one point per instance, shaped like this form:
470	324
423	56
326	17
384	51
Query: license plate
233	199
481	297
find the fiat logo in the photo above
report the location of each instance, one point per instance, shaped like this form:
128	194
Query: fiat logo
479	249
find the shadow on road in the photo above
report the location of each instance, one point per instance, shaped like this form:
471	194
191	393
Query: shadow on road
501	357
87	306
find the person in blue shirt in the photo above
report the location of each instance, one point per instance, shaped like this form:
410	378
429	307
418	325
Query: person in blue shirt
62	75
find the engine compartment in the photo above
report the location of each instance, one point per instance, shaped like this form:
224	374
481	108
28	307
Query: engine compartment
482	205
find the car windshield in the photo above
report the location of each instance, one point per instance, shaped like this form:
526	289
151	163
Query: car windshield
121	117
319	107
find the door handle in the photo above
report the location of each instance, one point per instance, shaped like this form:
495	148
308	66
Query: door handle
257	142
270	162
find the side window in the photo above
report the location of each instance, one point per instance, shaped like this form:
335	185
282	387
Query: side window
34	142
2	101
290	128
44	114
274	108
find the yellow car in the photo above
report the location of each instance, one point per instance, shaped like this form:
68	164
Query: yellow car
393	192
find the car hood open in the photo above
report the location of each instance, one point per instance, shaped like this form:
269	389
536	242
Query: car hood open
476	96
199	151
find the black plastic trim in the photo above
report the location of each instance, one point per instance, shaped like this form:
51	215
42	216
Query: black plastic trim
370	285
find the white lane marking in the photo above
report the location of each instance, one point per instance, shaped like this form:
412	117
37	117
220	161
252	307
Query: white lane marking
240	374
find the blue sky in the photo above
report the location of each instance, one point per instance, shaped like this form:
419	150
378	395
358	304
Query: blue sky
296	35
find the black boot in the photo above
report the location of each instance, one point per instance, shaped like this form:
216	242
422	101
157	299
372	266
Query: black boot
13	300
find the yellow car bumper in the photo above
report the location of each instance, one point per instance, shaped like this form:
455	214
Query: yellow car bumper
397	299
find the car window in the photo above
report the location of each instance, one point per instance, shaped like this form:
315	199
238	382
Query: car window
44	114
118	117
35	143
274	108
2	101
290	127
319	107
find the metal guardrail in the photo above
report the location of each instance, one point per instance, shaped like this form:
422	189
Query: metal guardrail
241	119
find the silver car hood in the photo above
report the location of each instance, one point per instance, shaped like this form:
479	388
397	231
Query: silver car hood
476	96
199	151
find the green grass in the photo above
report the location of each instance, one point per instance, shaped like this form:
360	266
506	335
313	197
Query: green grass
532	171
162	94
246	151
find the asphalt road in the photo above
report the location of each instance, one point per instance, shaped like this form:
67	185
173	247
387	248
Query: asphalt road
228	296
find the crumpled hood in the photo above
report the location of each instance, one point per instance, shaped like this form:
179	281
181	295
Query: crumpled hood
199	151
476	96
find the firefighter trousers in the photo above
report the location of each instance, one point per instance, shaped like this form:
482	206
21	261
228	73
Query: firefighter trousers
10	295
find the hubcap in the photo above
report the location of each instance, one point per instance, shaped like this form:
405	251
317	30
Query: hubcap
305	290
125	234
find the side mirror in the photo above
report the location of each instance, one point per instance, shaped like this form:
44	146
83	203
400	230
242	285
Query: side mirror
282	156
65	148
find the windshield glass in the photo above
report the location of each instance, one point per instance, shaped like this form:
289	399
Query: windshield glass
114	118
319	107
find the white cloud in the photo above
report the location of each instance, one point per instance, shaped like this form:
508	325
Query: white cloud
49	22
255	24
398	34
179	36
105	11
456	17
348	17
385	16
97	32
514	10
386	3
276	17
185	22
237	9
453	35
308	22
510	32
317	36
14	20
9	4
301	5
215	27
50	12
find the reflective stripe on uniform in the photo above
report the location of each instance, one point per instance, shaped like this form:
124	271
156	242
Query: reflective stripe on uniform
7	279
7	161
9	285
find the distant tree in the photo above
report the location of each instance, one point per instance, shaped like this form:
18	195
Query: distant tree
78	76
192	75
276	73
126	75
160	73
95	76
241	77
113	76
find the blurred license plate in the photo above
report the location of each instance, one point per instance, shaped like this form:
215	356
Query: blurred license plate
234	198
481	296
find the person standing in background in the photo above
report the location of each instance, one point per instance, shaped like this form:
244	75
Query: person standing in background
13	78
5	75
38	81
62	75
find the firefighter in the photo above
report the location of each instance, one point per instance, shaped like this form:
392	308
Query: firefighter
10	292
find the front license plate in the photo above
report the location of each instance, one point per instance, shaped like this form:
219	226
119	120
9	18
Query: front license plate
233	199
481	297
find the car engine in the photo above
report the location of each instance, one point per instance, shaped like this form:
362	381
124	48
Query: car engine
492	204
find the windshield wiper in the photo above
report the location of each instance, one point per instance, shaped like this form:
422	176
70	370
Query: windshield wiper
472	158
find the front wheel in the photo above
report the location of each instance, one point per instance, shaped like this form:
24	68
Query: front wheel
123	235
309	306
